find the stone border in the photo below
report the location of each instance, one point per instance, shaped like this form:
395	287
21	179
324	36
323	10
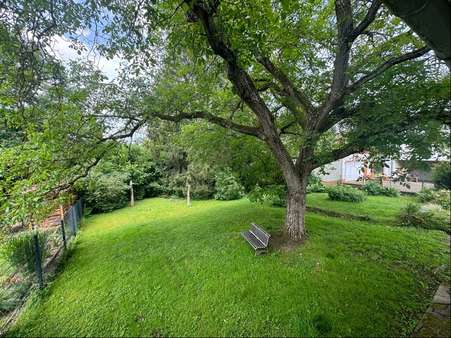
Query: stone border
436	321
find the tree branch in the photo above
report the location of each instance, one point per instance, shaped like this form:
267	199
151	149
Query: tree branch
324	122
343	12
283	129
386	65
248	130
286	83
243	84
337	154
369	18
118	135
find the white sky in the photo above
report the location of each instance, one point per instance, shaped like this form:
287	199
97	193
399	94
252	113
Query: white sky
60	47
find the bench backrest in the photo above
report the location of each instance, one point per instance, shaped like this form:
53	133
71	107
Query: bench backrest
261	234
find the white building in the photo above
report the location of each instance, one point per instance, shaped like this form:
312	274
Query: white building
352	168
347	169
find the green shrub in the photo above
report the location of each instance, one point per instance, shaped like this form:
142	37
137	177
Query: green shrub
106	192
315	184
426	195
441	175
316	187
227	186
201	186
202	191
274	195
175	185
313	179
346	193
429	216
390	192
375	189
18	250
440	197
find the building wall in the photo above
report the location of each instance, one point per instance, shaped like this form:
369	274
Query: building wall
333	172
338	171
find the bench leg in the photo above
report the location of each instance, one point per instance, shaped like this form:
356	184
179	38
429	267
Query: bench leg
259	252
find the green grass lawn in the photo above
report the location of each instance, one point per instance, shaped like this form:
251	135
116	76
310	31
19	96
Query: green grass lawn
379	208
162	268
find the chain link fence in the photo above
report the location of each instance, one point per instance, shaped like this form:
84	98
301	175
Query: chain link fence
41	251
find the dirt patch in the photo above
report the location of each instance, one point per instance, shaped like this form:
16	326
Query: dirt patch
281	241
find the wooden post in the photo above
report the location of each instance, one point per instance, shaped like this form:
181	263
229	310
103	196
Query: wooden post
188	194
132	195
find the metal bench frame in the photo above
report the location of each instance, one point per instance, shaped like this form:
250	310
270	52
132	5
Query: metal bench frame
257	238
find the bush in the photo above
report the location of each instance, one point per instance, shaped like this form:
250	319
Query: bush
227	186
274	195
429	216
201	187
315	184
440	197
106	192
426	195
346	193
18	250
390	192
441	175
375	189
176	185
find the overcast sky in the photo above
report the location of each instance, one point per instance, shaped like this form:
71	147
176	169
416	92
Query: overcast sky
62	50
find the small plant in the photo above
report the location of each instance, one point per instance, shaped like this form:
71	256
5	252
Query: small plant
426	195
18	250
274	195
315	184
346	193
375	189
429	216
227	186
440	197
390	192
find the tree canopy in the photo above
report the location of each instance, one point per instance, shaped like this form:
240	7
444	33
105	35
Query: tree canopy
311	81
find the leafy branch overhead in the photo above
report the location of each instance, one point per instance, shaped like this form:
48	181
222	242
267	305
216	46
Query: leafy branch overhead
312	81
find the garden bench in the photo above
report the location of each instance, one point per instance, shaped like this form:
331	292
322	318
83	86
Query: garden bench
257	238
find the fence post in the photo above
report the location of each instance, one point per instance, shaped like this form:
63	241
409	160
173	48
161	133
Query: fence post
37	260
63	233
74	221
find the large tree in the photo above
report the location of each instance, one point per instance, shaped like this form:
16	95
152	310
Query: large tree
314	81
318	80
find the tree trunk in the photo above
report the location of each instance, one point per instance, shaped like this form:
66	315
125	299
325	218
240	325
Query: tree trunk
294	219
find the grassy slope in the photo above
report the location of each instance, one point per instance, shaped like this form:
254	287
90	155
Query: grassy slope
379	208
161	268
